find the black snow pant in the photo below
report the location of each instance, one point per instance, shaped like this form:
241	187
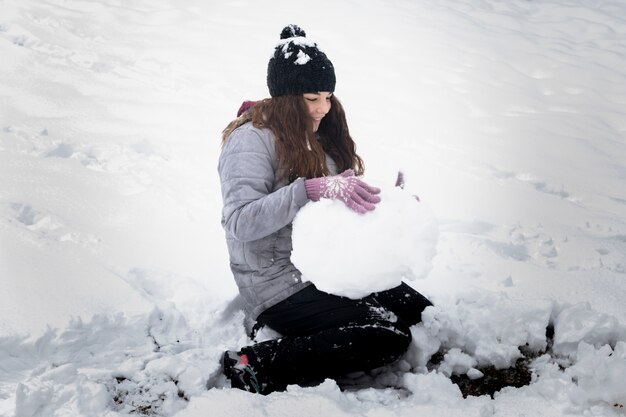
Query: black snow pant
327	336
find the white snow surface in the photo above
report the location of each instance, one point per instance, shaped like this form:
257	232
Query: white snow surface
508	119
353	255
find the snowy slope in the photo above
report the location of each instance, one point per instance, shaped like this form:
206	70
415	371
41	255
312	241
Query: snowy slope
508	118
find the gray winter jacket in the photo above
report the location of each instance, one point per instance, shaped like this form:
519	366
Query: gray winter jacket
257	214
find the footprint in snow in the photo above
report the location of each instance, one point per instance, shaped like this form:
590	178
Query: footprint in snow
44	226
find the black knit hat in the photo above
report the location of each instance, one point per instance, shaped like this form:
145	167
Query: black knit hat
298	66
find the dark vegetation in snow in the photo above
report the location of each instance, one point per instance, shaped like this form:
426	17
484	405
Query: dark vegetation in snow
493	379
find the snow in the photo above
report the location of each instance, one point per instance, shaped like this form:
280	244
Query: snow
354	255
302	58
508	119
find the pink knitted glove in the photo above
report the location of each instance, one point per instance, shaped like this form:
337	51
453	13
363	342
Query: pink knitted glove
356	194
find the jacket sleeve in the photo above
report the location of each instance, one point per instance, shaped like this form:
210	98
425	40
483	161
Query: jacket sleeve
252	209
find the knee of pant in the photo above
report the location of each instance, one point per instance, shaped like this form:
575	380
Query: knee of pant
396	339
407	336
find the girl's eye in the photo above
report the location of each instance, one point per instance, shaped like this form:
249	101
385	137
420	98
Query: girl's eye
312	99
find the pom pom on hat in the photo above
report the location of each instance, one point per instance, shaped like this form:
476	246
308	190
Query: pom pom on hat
292	31
298	66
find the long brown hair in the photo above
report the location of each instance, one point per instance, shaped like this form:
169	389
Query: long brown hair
299	152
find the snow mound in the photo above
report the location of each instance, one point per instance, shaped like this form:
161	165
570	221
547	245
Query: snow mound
353	255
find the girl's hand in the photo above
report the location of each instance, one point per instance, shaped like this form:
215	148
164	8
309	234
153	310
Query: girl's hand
355	193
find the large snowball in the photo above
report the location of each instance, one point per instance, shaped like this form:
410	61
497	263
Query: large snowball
353	255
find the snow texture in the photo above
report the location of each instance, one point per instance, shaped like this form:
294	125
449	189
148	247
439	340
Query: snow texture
352	255
302	57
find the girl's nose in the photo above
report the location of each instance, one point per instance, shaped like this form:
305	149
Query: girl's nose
324	107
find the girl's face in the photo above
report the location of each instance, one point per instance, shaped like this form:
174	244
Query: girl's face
318	104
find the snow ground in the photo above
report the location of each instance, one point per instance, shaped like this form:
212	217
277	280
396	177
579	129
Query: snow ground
508	119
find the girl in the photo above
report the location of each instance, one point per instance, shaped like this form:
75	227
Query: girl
279	154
